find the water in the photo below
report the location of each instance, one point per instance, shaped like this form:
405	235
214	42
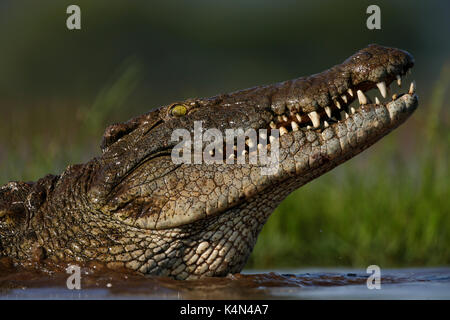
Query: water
421	283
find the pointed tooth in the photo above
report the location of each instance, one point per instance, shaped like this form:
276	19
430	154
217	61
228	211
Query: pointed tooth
279	119
344	98
350	92
283	130
294	126
299	117
399	80
412	87
328	111
244	152
361	97
211	152
284	118
338	105
377	101
352	110
382	87
235	148
346	115
315	118
325	123
273	125
308	127
394	96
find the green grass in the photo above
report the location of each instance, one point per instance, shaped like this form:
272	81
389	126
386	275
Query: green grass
35	141
388	206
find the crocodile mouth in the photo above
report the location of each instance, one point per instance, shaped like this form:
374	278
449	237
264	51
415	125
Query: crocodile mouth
344	106
365	95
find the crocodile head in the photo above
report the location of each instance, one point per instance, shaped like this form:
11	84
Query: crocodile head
149	213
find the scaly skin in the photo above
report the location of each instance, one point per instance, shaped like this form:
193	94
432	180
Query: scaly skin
133	207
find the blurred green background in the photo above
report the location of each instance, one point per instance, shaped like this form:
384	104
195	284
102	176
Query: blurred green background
59	89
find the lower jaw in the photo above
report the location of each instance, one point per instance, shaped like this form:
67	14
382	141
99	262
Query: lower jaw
324	150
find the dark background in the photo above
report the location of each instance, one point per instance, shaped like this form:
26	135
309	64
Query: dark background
199	48
59	89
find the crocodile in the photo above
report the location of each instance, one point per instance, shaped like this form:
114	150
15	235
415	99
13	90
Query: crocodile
134	208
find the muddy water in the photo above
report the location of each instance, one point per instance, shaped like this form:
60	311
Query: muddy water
100	283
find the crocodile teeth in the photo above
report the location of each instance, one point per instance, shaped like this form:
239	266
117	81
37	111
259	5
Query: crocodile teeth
352	110
361	97
338	105
285	118
394	96
211	152
399	80
346	115
412	87
377	101
299	117
328	111
315	118
382	87
294	126
344	97
250	143
308	127
273	125
325	123
350	92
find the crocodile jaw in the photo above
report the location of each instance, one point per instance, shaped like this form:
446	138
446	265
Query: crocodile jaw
230	236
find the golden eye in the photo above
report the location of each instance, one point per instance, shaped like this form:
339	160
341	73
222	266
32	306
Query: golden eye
178	110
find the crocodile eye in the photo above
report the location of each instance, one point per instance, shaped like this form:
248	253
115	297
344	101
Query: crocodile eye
178	110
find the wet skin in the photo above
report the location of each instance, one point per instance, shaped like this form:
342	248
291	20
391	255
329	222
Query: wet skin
133	207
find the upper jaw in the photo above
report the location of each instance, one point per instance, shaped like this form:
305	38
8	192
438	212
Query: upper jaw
340	110
318	101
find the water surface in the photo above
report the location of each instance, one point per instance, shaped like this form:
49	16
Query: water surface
420	283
